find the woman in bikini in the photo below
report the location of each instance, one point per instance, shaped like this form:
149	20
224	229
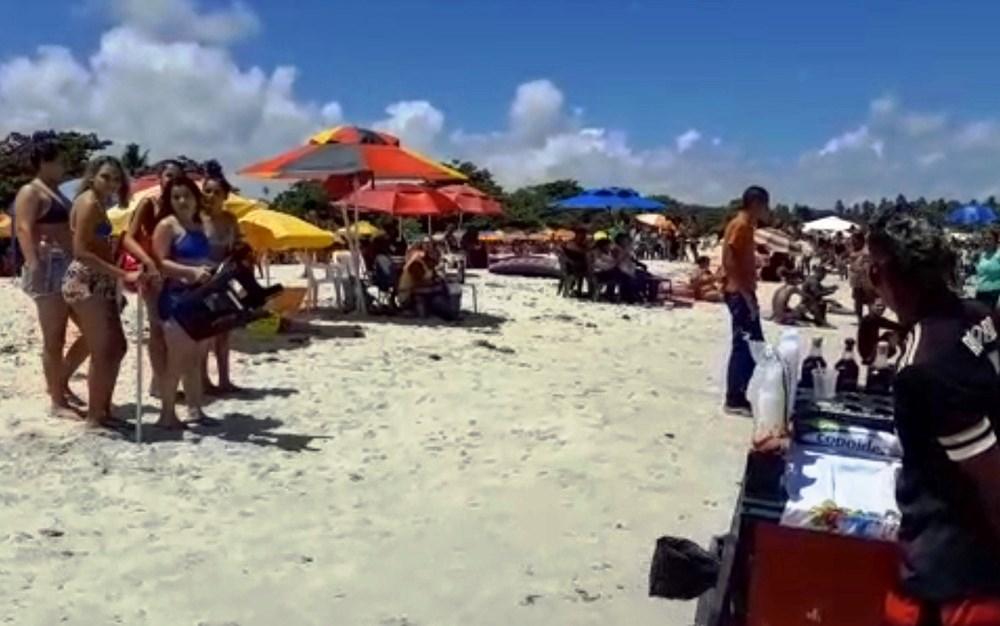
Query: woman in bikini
41	216
90	286
138	242
183	252
223	233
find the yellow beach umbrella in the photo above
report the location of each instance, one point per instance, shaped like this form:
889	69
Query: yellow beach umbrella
265	229
363	229
5	226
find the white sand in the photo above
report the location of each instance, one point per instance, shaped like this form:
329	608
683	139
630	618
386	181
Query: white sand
409	476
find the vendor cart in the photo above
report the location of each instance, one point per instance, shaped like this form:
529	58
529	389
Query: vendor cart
776	574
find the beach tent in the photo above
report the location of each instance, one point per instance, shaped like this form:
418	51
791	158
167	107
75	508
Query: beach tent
972	215
831	224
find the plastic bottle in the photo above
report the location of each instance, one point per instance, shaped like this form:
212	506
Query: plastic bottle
847	369
881	373
769	412
790	351
812	362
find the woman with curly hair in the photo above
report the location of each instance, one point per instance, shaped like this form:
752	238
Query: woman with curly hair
947	410
90	286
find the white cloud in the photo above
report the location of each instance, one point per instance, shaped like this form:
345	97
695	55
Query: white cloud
929	159
860	137
416	122
536	110
883	106
176	98
917	124
181	20
686	140
176	89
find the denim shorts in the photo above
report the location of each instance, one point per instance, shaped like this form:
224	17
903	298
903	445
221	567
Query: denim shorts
46	277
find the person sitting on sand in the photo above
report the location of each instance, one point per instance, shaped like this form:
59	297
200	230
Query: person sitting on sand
783	310
814	295
421	287
704	283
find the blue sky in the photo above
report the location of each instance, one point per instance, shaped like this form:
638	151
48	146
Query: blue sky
772	79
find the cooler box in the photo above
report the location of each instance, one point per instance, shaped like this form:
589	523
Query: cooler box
807	578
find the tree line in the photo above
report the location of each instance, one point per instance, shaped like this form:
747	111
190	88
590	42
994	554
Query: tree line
527	207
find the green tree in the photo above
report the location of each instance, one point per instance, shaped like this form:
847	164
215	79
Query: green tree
479	177
15	163
135	160
304	199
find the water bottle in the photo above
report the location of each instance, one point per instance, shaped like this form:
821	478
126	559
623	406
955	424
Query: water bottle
881	373
769	411
812	362
847	369
789	351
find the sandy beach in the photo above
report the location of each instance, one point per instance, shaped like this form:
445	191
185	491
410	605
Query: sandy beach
516	468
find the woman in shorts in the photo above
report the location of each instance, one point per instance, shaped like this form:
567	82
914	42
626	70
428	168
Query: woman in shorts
90	286
41	217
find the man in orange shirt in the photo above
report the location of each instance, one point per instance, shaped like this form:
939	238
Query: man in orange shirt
739	267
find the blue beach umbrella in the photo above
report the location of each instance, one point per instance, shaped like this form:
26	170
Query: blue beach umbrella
609	198
972	215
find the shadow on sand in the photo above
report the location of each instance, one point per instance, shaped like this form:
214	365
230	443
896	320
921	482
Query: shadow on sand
234	427
297	334
468	319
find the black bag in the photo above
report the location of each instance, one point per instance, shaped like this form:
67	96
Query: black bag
681	570
232	298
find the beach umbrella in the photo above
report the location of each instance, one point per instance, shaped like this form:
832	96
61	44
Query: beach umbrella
267	230
402	200
831	224
655	220
353	154
348	151
609	198
776	241
472	201
972	215
362	228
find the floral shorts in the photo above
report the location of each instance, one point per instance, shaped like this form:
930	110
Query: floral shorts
81	283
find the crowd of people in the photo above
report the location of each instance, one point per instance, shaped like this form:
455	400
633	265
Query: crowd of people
73	269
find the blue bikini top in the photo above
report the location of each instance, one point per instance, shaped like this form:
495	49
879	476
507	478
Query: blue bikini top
104	230
191	248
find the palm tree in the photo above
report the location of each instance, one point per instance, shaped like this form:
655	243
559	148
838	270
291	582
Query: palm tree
135	159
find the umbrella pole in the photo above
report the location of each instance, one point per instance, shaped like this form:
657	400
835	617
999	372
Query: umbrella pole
138	367
359	287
